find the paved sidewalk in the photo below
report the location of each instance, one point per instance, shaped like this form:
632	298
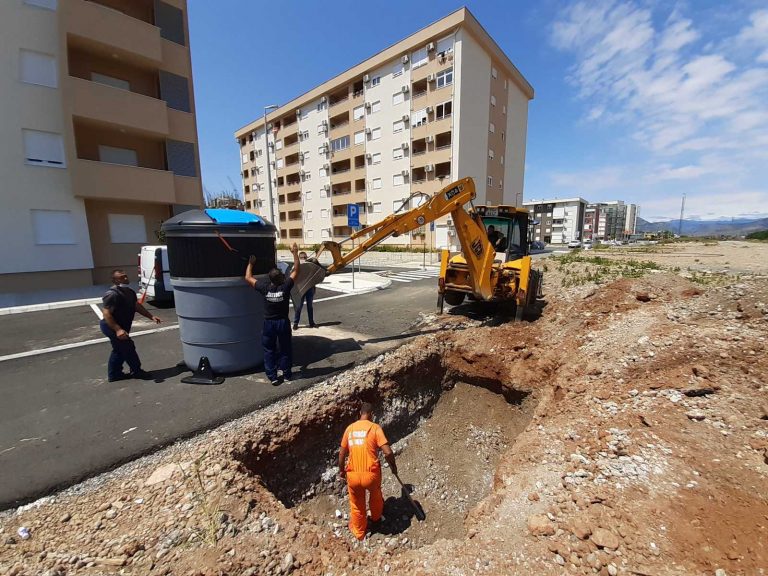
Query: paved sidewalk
362	282
386	259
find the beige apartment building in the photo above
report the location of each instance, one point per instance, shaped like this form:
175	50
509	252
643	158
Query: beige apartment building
98	137
443	104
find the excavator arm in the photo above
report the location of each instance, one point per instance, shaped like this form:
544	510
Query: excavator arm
478	251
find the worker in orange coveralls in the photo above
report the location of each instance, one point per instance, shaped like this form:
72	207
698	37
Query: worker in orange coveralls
362	441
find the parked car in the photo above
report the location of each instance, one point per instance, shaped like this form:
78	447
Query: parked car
574	244
154	273
587	244
537	245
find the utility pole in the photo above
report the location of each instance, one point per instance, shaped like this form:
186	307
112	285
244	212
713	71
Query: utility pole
682	213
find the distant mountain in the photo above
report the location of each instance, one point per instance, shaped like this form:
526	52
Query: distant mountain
735	227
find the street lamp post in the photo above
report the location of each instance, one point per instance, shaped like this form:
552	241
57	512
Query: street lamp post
269	171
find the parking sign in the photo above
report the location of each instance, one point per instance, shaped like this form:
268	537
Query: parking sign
353	215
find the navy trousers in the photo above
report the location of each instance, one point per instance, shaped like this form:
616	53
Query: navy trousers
278	354
123	351
309	296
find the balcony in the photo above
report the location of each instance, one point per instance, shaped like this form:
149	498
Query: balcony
112	29
100	180
105	104
291	187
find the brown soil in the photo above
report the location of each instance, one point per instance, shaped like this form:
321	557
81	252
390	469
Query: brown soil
646	453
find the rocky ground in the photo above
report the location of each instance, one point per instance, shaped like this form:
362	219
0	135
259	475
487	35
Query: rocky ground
637	443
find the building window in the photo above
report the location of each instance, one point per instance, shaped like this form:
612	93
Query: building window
398	126
321	129
445	78
445	46
358	112
376	184
397	70
53	227
245	158
320	106
113	155
47	4
324	213
501	183
375	133
443	110
279	145
307	196
398	153
492	128
307	177
114	82
376	158
127	229
43	149
397	180
504	109
376	208
323	194
375	81
308	215
493	100
323	172
419	117
490	180
38	68
501	159
375	107
490	154
494	73
340	143
279	163
360	137
324	233
398	98
310	234
419	58
304	155
305	135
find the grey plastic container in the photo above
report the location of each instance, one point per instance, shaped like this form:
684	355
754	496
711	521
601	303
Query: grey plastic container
220	315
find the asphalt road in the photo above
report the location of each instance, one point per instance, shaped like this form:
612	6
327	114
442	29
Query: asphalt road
61	421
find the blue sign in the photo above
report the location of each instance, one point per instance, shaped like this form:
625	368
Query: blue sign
353	215
431	226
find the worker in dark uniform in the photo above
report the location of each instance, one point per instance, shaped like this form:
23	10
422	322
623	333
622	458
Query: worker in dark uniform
276	334
120	306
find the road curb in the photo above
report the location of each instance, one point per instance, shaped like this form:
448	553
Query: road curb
49	306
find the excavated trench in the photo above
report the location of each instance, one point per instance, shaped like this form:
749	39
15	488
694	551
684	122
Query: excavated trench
447	427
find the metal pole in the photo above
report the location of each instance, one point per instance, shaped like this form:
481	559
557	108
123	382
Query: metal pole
269	171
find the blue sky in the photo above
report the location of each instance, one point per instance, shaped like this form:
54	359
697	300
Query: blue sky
637	100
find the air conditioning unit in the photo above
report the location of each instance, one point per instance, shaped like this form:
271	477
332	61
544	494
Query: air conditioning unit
430	139
429	168
368	156
404	172
404	89
325	124
323	99
404	145
404	59
327	187
430	46
368	131
298	113
271	144
326	166
430	109
366	78
449	222
431	78
325	148
302	173
367	105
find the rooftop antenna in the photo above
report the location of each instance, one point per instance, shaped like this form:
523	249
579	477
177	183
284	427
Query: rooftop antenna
682	213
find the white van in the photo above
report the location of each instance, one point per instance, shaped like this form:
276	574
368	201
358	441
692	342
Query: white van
154	273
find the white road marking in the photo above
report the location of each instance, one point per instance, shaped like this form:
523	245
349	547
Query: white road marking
72	345
129	430
97	311
396	279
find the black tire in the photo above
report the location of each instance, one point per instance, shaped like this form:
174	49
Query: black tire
454	298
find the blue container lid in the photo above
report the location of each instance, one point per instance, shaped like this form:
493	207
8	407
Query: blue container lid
222	220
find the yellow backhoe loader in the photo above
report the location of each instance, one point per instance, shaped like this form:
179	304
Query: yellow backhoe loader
494	264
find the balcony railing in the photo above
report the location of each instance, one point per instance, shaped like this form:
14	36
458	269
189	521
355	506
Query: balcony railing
338	101
419	93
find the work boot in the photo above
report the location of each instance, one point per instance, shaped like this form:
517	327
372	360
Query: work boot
121	376
295	326
141	375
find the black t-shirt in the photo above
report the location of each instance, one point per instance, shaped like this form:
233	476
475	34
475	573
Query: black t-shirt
121	302
276	298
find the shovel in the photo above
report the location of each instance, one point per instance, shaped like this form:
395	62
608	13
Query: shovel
420	515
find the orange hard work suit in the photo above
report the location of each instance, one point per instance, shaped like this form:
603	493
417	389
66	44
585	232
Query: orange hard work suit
363	439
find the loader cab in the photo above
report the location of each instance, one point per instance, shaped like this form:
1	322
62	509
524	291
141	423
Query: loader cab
512	224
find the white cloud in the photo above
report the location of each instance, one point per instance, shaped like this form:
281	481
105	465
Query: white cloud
695	102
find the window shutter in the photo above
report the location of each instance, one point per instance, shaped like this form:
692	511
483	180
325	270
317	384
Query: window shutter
38	68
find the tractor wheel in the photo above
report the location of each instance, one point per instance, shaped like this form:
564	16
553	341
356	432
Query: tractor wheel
453	297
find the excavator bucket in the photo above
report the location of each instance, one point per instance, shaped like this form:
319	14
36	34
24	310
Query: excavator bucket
310	275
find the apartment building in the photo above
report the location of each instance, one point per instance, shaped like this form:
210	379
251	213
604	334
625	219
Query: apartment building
98	137
442	104
613	220
557	221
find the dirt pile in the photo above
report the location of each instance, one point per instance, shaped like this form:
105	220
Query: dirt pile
624	432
